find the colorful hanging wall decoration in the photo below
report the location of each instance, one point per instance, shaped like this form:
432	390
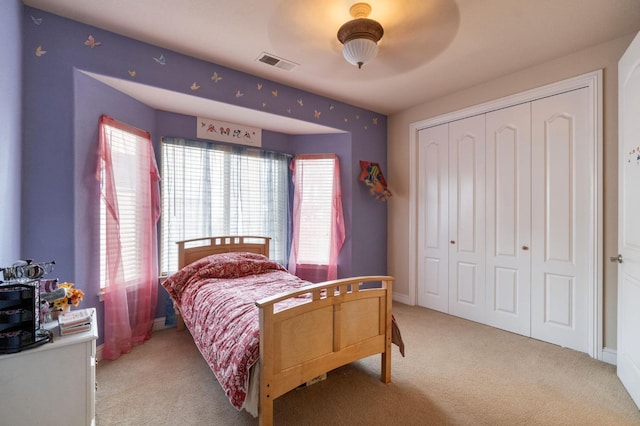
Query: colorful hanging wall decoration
372	176
228	132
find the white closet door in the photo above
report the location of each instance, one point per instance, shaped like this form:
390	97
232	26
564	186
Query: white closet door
629	226
467	218
508	186
433	199
562	218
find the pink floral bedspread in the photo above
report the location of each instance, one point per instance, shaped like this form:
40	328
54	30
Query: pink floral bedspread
216	296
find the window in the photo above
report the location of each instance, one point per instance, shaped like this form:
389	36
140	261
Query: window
129	153
213	189
314	175
318	224
130	209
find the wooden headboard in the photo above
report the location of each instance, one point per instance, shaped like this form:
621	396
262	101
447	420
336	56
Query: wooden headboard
191	250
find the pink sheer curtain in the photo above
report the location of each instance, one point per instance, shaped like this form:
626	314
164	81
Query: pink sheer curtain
315	272
127	168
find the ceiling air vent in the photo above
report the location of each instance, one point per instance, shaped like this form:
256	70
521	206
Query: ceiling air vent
274	61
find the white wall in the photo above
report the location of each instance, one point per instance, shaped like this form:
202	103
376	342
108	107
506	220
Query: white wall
604	56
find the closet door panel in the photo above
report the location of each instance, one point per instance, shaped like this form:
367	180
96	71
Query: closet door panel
508	232
433	212
562	219
467	218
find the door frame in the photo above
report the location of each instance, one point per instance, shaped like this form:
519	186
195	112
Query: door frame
593	82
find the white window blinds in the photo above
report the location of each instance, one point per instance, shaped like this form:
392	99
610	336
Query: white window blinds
211	189
316	180
125	158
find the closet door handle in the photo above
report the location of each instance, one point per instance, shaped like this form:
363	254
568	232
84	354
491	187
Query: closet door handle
617	258
453	242
525	248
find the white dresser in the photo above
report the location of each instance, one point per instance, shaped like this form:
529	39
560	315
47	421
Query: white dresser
53	384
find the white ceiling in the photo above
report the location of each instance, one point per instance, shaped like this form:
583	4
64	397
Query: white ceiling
430	47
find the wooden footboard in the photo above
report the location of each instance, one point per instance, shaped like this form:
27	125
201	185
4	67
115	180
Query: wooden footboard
342	323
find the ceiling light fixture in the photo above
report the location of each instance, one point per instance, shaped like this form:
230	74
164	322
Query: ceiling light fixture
360	36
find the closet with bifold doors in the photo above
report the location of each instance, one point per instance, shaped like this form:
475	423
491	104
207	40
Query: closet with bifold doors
506	214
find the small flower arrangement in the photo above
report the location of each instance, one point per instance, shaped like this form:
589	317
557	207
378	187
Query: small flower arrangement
74	297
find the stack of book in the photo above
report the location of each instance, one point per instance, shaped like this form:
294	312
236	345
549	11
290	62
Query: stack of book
75	321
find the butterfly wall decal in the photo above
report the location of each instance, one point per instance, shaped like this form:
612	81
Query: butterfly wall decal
215	77
374	120
239	94
195	86
275	93
36	21
259	86
40	51
300	102
161	60
316	114
132	73
91	42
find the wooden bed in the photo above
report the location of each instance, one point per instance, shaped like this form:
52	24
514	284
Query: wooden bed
342	322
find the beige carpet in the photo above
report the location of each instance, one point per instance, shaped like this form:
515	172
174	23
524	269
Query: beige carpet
456	372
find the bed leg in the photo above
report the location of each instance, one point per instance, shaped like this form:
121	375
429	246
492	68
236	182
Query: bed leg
179	320
265	412
385	367
179	323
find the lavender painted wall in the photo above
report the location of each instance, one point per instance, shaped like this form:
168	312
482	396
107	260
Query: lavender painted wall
10	129
61	107
361	210
369	255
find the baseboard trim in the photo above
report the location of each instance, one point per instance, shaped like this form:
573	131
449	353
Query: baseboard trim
159	324
610	356
402	298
